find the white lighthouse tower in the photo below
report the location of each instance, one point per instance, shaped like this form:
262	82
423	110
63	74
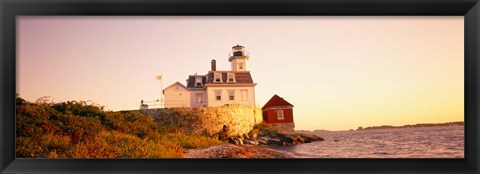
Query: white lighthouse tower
238	58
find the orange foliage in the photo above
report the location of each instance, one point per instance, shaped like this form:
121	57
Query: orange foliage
77	130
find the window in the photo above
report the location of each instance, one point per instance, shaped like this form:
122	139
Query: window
280	115
231	78
240	65
231	94
199	97
198	81
218	94
244	95
218	78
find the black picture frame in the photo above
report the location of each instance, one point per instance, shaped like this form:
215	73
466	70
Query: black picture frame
9	9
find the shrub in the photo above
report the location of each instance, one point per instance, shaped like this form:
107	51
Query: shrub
78	130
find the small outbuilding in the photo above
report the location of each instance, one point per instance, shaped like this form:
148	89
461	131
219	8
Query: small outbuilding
278	112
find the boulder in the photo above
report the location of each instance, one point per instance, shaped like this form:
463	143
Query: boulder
274	141
245	136
253	133
287	139
254	142
231	140
312	137
223	136
263	138
240	141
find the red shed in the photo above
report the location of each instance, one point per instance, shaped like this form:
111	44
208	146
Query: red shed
277	110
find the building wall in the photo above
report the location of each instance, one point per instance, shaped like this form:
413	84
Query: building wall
239	118
270	115
235	64
213	102
177	96
193	98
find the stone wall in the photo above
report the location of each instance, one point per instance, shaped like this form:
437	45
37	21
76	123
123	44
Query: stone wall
240	118
284	127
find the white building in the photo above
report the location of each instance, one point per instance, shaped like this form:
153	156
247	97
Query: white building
216	88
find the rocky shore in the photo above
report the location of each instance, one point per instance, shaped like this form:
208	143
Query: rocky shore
267	136
227	150
251	145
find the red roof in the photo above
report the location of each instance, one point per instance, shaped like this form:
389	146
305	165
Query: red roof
276	101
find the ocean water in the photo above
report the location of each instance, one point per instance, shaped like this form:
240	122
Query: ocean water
419	142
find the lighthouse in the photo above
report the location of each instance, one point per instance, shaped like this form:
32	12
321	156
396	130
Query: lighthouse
217	87
238	58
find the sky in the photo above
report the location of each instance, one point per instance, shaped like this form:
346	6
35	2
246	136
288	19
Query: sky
340	73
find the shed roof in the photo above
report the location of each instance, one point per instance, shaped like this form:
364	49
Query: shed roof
276	101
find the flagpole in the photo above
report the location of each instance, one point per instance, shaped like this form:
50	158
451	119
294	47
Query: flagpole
160	77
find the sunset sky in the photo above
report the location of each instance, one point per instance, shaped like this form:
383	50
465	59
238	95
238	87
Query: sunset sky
339	72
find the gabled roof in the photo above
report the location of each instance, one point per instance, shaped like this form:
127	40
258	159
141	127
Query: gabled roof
172	85
276	101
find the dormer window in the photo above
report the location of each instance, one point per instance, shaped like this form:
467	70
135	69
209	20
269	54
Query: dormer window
217	78
231	78
198	81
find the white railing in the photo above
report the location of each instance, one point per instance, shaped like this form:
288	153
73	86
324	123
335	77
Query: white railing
245	53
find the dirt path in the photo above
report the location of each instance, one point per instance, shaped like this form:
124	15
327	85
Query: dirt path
227	150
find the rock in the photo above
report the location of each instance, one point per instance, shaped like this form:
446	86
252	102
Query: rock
254	142
300	139
263	138
312	137
236	140
287	139
263	142
225	129
231	140
215	136
245	136
223	136
274	141
253	133
240	141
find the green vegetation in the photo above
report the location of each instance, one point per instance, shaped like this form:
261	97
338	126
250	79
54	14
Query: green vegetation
79	130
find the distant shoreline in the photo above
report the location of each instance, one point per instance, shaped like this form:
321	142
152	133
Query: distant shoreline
458	123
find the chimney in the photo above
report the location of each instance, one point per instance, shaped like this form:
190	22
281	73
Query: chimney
214	65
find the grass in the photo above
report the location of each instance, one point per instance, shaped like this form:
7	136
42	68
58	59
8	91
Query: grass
79	130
